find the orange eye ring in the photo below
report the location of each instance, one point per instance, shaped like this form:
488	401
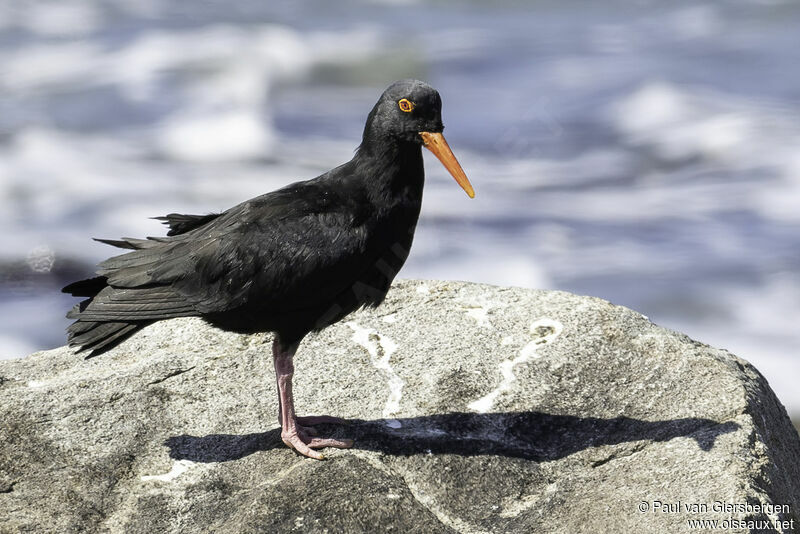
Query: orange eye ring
406	105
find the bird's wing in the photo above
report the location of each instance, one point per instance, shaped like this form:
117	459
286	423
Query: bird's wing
280	250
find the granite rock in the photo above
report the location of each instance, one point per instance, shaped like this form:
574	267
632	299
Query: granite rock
474	408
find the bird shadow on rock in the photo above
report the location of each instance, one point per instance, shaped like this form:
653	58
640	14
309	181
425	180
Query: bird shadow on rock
529	435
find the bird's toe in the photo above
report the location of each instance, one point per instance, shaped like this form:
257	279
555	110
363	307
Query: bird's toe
318	443
294	441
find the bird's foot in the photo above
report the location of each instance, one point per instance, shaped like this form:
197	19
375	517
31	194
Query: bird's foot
302	437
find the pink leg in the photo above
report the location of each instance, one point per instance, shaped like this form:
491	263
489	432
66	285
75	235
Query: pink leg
293	433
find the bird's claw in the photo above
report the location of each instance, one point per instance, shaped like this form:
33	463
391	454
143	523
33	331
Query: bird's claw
303	438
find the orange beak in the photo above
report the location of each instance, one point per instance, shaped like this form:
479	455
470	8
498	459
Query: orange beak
436	143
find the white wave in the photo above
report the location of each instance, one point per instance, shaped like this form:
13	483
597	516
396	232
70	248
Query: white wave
438	254
680	122
217	79
62	18
41	66
238	57
748	140
56	185
359	44
15	347
231	136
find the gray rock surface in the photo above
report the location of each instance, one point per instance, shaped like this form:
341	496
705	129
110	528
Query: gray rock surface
474	408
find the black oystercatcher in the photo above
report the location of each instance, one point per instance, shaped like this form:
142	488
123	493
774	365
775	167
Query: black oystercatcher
291	261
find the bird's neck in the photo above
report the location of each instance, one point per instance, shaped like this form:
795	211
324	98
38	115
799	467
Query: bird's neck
393	171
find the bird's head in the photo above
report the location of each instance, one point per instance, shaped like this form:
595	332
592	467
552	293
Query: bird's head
410	111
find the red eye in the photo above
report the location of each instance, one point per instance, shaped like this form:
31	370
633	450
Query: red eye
406	105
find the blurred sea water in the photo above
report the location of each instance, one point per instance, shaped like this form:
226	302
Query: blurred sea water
642	152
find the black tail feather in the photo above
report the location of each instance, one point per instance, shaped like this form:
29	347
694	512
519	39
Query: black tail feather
119	243
180	224
86	288
94	335
106	318
99	337
131	243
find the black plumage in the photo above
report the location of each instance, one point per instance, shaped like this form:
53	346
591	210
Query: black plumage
291	261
